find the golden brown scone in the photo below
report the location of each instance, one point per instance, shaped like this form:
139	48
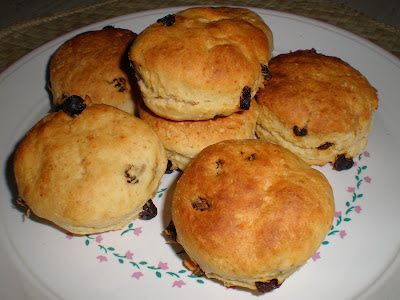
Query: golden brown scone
201	62
183	140
89	173
317	106
250	213
95	64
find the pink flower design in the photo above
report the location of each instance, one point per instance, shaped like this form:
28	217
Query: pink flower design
101	258
162	265
178	283
342	233
367	179
129	255
355	164
316	256
338	214
357	209
137	231
351	189
99	239
137	275
69	236
366	153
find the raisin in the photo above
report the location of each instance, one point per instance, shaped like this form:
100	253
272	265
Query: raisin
201	204
342	163
130	175
149	211
168	170
120	84
73	105
252	157
108	27
170	231
245	98
265	287
218	165
265	72
325	146
168	20
299	131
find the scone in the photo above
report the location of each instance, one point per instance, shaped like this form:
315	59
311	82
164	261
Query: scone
202	62
90	172
183	140
317	106
250	213
95	64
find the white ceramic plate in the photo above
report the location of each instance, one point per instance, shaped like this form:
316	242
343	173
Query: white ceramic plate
360	255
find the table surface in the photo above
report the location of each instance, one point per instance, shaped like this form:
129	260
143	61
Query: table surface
19	39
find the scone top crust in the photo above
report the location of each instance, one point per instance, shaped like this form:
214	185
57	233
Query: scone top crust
89	173
321	93
197	67
188	138
94	64
249	211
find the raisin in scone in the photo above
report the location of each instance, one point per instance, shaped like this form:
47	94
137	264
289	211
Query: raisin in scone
250	213
89	170
317	106
183	140
202	62
95	64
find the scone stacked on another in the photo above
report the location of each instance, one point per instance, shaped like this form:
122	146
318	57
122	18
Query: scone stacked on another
183	140
95	64
250	213
198	71
318	107
89	170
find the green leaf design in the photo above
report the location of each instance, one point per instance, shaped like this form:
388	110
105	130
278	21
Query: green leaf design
125	231
103	248
358	171
193	276
87	242
347	203
200	281
158	274
173	274
349	210
134	264
357	177
339	220
359	183
130	225
182	271
325	242
333	232
160	195
360	195
143	263
364	167
347	219
120	260
110	248
153	268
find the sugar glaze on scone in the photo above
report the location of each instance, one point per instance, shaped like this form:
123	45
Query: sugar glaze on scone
317	106
183	140
91	172
95	64
250	213
201	62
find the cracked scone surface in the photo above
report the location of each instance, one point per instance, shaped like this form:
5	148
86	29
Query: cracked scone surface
197	67
250	211
95	64
90	173
329	102
183	140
